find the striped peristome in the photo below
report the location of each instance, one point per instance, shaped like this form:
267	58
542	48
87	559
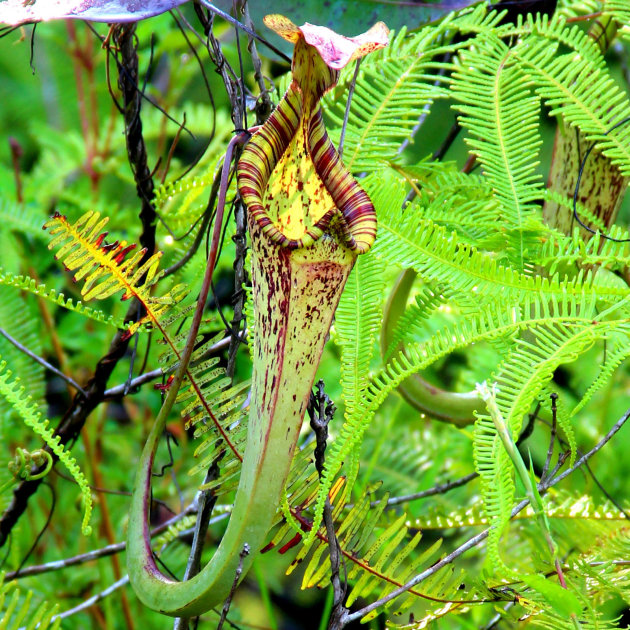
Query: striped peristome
290	175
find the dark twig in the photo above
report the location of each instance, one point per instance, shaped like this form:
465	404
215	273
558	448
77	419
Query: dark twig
440	488
226	16
554	428
41	361
207	501
125	38
240	279
264	106
353	83
237	577
321	411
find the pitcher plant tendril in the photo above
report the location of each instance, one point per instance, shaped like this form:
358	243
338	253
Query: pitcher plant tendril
309	220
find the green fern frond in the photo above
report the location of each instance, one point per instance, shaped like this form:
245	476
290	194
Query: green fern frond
555	29
413	324
219	411
583	93
575	8
586	215
519	380
559	250
408	240
16	610
378	558
357	319
469	207
494	321
25	283
21	321
620	10
501	115
393	81
21	218
617	352
14	393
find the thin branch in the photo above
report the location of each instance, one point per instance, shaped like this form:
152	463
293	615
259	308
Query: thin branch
353	83
104	552
440	488
134	384
41	361
92	600
207	501
237	577
226	16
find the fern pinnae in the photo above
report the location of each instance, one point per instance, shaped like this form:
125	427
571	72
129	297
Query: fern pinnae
615	356
501	115
493	322
108	269
26	283
583	94
393	81
15	395
519	380
356	321
15	609
408	240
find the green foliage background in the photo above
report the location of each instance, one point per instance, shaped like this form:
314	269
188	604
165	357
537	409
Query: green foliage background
70	167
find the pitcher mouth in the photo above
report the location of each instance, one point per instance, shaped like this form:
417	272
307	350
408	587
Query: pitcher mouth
290	175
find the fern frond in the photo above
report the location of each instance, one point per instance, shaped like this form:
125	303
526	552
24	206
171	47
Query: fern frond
21	218
617	352
519	380
25	283
378	559
559	250
555	29
583	93
413	325
219	411
620	10
394	81
408	240
14	393
575	8
20	320
356	321
471	210
501	115
16	610
490	323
